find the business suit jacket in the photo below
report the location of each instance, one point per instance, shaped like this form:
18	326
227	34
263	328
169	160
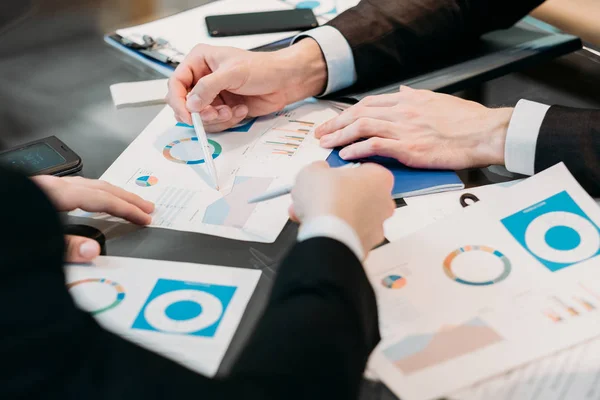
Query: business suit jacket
312	342
572	136
391	39
394	38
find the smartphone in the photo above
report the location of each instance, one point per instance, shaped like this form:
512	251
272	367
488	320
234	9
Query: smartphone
49	156
261	22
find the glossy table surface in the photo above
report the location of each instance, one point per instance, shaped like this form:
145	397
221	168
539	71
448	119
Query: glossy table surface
55	71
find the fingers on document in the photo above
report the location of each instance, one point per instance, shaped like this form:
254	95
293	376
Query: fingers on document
374	146
99	196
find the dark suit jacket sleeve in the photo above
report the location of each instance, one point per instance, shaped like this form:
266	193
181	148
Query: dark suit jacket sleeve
319	328
393	38
313	340
572	136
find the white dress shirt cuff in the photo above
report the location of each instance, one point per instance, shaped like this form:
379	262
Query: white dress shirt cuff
521	137
334	228
341	72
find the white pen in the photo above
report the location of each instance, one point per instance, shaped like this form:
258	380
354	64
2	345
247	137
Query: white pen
203	140
286	189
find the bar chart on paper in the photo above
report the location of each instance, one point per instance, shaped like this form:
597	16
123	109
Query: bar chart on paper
286	138
166	165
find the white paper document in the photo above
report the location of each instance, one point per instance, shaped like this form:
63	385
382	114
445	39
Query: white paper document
165	165
185	312
421	211
505	282
185	30
572	374
139	94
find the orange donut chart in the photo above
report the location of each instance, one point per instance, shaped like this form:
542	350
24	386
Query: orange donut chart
118	288
450	258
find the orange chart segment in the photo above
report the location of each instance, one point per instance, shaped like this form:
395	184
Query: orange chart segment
286	138
418	352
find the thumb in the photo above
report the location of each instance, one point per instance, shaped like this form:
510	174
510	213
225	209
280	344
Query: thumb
210	86
404	88
293	215
81	249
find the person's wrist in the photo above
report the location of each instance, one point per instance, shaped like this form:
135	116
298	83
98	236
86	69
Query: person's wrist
303	70
493	141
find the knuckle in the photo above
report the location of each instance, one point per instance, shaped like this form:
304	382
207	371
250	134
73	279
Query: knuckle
363	124
375	144
367	100
405	111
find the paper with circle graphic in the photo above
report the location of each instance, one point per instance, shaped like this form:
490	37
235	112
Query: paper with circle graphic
556	231
186	308
185	312
523	261
166	165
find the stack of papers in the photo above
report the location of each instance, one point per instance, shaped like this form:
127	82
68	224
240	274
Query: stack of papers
495	286
185	312
185	30
165	165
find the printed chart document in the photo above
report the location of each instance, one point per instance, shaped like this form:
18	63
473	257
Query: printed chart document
185	312
185	30
569	375
165	165
505	282
421	211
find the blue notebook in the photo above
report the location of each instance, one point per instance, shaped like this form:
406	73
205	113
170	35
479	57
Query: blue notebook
409	181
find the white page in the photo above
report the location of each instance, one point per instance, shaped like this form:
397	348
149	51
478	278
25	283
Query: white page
495	307
185	30
165	165
185	312
421	211
570	374
139	94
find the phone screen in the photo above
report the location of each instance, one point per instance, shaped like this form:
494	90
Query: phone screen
263	22
32	159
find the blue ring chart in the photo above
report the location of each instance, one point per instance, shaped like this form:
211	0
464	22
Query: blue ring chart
156	312
537	233
167	151
450	258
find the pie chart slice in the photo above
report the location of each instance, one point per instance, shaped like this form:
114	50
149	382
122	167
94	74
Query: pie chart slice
394	282
146	180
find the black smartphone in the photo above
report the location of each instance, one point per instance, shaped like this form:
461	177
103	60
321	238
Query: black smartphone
49	156
261	22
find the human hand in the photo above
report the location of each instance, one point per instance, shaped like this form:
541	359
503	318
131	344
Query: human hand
68	194
421	129
226	85
359	196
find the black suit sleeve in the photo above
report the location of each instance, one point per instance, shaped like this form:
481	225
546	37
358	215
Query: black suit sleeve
313	340
572	136
391	39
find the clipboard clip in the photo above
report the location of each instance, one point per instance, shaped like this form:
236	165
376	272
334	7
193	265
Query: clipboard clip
470	197
158	49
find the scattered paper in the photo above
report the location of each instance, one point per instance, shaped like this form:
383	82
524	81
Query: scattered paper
185	312
185	30
422	211
139	94
165	165
503	283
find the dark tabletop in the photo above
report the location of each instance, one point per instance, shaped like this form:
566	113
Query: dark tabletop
55	72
